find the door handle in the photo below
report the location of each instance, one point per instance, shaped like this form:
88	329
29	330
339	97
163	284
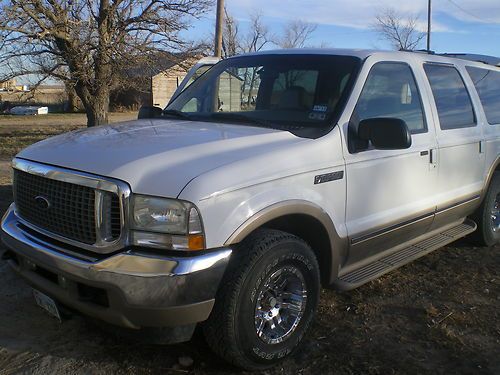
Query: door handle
432	157
481	147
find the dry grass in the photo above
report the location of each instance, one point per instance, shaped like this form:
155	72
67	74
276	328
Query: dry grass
18	132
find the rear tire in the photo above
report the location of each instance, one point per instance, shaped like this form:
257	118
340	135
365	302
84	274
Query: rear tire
487	216
272	281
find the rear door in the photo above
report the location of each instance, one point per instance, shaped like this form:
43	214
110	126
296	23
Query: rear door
390	193
460	156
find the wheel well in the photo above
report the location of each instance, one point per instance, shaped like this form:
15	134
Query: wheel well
311	231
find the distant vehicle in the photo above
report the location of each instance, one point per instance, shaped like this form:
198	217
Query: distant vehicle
29	110
270	176
200	68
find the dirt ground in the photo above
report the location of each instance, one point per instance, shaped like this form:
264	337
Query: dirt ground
438	315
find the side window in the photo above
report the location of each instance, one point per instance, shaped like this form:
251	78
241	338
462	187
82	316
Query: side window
391	91
487	83
452	99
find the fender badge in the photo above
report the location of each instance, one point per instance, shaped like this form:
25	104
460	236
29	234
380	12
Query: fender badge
322	178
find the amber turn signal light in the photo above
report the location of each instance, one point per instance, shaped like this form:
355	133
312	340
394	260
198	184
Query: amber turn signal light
196	242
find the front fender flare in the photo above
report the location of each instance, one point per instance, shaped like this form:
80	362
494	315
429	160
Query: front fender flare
338	245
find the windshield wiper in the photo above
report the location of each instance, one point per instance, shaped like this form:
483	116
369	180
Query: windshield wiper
176	113
242	118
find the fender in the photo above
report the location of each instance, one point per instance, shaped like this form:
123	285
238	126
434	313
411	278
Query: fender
338	245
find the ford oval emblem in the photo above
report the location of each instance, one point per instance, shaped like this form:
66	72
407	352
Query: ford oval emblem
42	202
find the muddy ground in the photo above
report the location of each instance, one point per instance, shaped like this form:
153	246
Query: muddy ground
438	315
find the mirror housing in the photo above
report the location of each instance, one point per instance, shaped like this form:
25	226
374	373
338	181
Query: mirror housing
149	112
385	133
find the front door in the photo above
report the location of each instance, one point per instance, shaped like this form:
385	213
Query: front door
390	193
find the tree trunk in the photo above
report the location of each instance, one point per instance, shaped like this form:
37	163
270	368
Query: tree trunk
72	99
97	110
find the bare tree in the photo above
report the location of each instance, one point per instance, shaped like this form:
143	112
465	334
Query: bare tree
296	34
88	44
258	36
398	29
231	43
254	40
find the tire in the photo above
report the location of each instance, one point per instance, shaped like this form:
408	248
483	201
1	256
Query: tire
488	232
245	298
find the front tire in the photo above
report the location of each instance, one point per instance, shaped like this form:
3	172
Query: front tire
266	302
487	216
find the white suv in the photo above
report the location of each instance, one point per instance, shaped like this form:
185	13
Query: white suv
271	175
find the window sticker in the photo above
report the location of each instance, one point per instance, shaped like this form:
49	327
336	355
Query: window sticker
320	108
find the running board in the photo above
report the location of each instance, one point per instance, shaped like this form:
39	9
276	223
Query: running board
401	257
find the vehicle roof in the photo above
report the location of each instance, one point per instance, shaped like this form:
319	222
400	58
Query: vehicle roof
365	53
361	53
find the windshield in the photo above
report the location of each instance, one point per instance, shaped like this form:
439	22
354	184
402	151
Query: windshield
290	92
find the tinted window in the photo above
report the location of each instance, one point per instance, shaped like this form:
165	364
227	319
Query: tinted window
487	84
391	91
452	99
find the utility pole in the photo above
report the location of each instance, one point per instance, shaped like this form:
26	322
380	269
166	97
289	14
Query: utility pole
429	24
218	28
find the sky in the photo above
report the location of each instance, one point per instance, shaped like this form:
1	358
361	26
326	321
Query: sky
459	26
471	26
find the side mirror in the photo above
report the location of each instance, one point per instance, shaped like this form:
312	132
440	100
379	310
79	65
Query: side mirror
149	112
385	133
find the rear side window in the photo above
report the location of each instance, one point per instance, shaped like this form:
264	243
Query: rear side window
453	102
487	83
391	91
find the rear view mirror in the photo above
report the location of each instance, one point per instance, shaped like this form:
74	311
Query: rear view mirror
149	112
385	133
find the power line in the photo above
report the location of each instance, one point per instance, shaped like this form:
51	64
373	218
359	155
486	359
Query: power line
472	14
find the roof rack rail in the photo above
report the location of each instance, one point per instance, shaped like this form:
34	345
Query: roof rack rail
426	51
485	59
490	60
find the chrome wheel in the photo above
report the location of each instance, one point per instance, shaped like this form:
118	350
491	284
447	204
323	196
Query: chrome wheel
280	305
495	215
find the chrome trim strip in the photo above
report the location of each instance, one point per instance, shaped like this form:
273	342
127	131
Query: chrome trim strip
99	184
461	203
67	175
381	232
392	228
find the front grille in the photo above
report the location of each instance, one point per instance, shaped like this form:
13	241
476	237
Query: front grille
71	211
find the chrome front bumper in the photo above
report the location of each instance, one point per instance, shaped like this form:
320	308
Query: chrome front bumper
132	289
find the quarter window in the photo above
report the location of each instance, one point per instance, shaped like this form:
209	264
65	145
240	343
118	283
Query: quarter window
487	83
452	99
391	91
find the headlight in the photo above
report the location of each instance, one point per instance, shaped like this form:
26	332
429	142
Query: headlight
166	223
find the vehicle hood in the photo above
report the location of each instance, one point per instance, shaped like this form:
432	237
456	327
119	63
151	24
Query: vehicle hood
157	157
